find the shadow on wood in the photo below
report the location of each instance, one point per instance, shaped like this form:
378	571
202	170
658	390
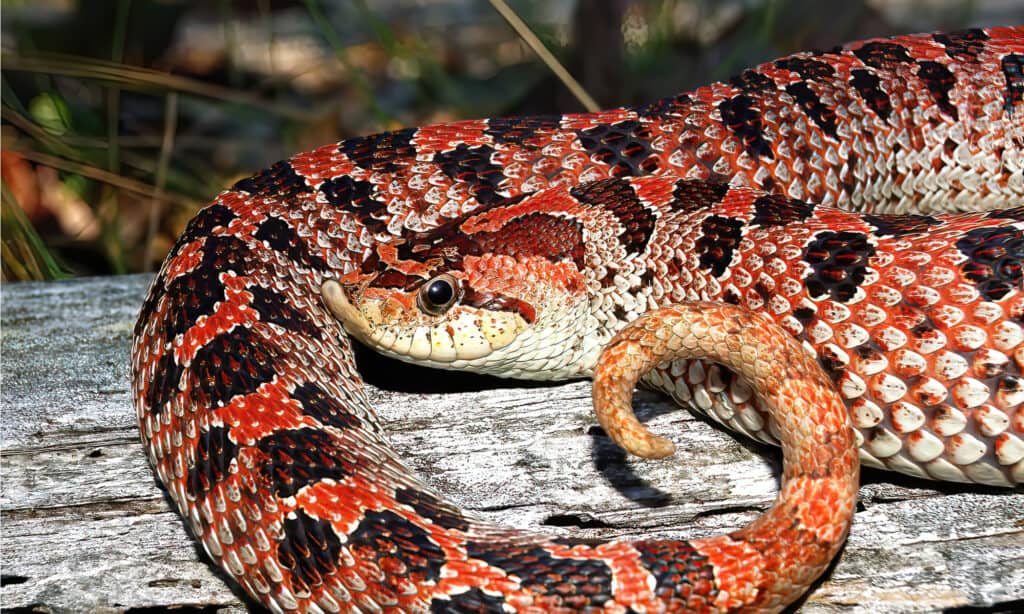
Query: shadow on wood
85	527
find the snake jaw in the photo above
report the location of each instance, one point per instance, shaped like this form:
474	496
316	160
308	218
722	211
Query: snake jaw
464	334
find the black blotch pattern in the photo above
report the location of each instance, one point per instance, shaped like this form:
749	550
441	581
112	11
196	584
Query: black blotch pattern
831	362
775	210
473	601
882	54
897	225
535	234
380	152
192	295
275	309
762	291
309	548
210	218
1013	71
939	81
226	253
214	454
394	543
198	292
866	84
231	364
995	258
744	120
619	198
692	195
680	573
848	180
279	181
350	194
356	196
390	278
720	237
926	325
518	130
948	147
869	350
164	385
282	238
577	583
446	242
430	507
839	261
989	368
296	458
665	108
1010	384
811	70
965	44
753	82
804	315
324	408
624	146
819	113
473	165
1016	213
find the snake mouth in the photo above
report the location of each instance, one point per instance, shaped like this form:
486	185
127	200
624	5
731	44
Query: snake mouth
463	336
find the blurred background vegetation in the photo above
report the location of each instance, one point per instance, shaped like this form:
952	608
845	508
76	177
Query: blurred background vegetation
121	118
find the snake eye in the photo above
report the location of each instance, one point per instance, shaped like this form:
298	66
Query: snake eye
438	295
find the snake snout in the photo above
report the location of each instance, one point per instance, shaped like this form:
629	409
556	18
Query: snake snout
337	300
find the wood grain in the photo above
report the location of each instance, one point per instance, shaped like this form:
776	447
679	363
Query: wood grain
86	528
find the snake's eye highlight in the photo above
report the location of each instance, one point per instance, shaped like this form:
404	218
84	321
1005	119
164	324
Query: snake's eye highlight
438	295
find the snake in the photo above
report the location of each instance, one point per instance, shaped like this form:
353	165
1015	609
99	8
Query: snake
824	252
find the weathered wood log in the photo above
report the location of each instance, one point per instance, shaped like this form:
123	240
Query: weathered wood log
86	528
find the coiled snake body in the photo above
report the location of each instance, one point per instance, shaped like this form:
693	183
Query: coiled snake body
696	228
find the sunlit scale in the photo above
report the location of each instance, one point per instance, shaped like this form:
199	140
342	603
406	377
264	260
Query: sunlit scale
919	373
418	242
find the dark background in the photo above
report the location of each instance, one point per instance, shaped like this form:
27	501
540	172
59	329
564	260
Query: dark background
121	118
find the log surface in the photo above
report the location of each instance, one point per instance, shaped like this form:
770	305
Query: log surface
86	528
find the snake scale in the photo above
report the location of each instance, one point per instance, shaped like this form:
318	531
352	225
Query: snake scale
834	233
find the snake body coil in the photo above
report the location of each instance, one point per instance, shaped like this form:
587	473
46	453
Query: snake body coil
523	246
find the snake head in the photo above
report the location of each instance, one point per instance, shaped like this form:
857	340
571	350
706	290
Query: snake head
501	291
